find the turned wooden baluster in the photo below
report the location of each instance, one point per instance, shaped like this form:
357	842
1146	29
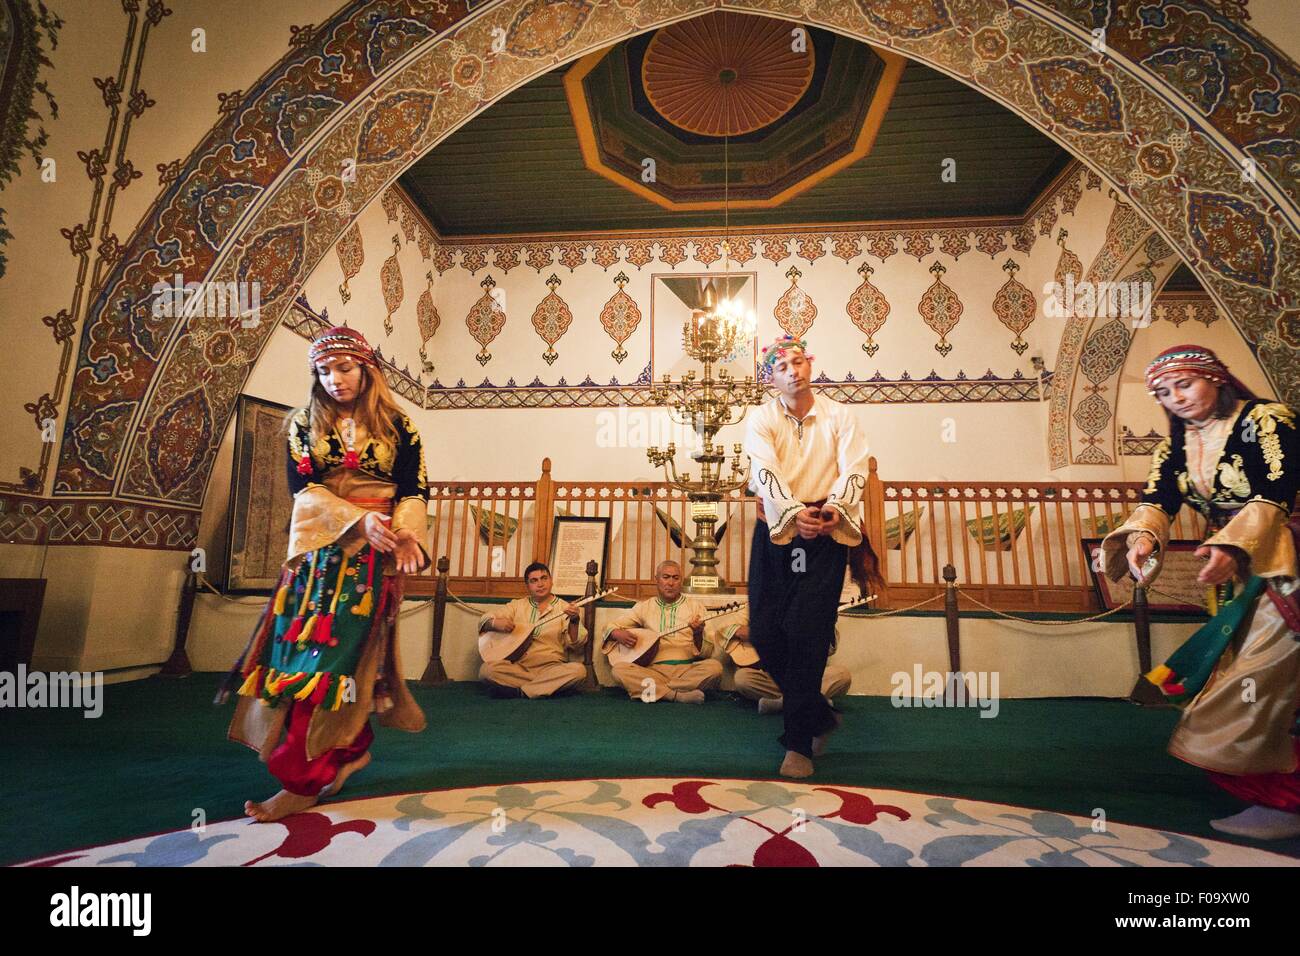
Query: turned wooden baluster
590	684
435	673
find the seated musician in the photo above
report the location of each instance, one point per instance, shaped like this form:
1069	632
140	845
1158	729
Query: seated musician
679	668
755	683
543	667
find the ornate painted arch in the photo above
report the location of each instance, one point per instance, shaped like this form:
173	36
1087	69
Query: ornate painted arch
265	196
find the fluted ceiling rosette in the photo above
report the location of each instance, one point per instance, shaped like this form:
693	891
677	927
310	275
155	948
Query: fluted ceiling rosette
725	75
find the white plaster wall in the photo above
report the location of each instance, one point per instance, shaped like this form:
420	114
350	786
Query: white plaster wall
104	608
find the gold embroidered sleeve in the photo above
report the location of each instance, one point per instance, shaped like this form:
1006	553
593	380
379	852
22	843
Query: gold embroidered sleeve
849	492
1260	530
412	514
320	517
1145	519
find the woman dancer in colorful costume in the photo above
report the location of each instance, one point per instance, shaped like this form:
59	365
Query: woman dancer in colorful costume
325	653
1236	460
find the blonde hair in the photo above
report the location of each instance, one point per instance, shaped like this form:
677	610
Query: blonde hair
375	408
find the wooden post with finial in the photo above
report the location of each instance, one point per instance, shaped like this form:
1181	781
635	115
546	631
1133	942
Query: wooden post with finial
874	526
590	684
435	673
178	665
543	511
1142	624
952	619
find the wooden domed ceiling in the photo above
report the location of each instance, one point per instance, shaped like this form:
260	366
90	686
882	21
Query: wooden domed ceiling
791	107
725	74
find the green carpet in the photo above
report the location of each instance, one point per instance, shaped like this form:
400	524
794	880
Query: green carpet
159	753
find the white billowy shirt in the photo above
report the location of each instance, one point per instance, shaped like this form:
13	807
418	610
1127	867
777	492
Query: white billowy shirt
794	462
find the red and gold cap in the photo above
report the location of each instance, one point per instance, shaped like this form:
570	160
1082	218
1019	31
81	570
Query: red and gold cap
1195	360
340	340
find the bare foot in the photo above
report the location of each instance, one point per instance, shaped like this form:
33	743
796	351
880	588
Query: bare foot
689	697
345	771
1260	823
796	765
281	805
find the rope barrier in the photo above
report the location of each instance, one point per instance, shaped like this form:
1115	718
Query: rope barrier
1025	620
203	581
460	603
1174	597
470	608
900	610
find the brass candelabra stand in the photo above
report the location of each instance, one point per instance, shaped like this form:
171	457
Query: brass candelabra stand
708	404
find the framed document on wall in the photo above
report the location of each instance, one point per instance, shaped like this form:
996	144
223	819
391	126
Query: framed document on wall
574	542
1175	591
260	504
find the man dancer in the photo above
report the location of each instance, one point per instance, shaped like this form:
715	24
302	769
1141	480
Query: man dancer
544	668
809	466
680	670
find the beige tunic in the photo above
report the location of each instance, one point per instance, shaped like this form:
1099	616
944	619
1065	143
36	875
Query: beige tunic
797	461
543	668
662	679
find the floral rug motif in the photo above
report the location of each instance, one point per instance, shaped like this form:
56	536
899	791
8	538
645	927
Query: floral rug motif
670	822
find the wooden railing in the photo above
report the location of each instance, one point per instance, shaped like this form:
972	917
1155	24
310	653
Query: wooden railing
1014	545
483	527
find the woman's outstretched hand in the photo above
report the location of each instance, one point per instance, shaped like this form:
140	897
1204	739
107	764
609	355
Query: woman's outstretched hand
1138	556
1220	566
377	532
407	552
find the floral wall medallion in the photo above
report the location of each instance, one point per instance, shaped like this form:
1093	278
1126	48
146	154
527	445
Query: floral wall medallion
428	320
795	310
620	317
390	279
1014	306
940	309
351	255
1069	270
552	319
868	309
486	319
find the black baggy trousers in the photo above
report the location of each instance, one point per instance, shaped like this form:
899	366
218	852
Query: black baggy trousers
794	592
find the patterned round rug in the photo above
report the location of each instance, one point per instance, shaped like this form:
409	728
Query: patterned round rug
670	822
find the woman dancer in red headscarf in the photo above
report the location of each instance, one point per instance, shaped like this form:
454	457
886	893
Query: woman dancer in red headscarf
325	654
1236	460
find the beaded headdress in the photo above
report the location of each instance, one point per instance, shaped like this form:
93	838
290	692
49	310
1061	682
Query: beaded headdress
777	350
